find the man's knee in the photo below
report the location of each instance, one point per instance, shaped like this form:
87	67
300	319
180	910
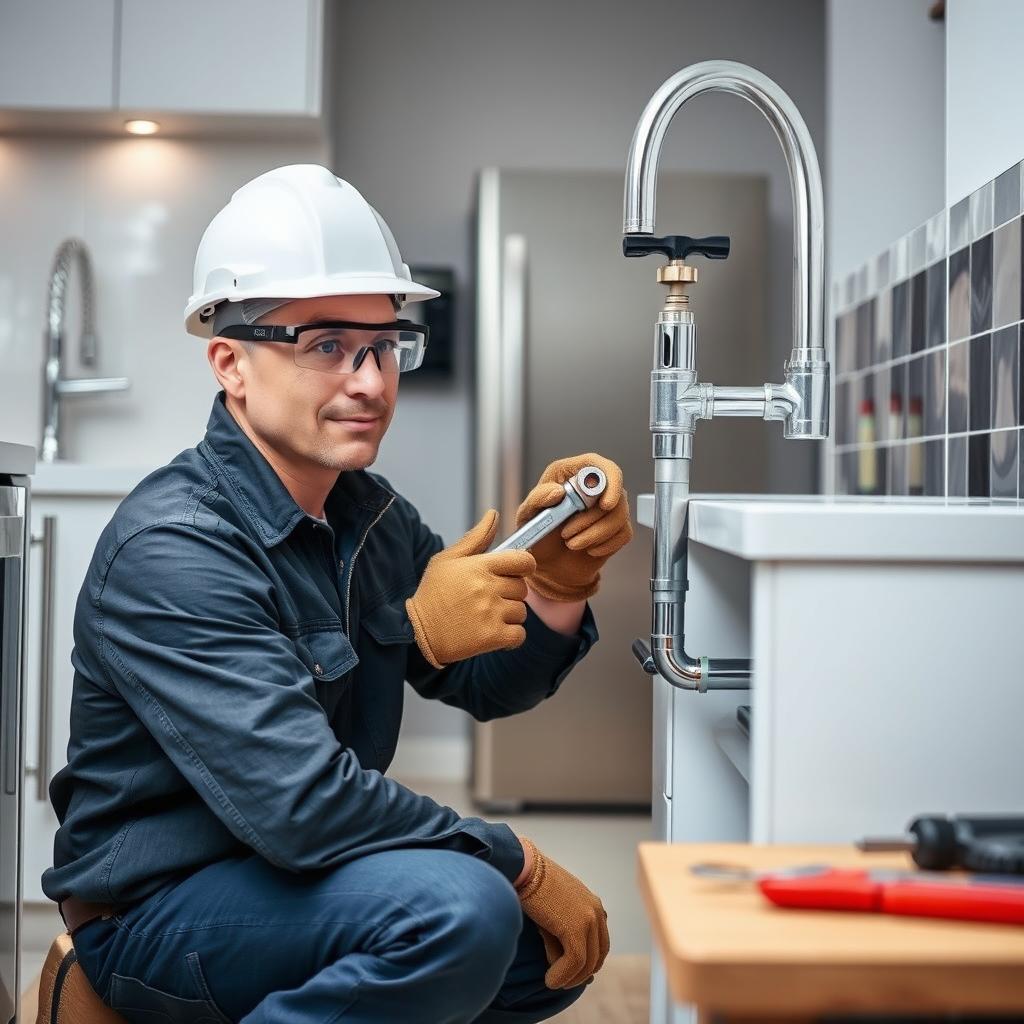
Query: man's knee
458	907
486	915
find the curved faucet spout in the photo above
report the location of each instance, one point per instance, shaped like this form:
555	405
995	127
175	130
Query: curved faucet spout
71	253
678	398
804	175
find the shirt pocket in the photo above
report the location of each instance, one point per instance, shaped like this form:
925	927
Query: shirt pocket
388	624
326	652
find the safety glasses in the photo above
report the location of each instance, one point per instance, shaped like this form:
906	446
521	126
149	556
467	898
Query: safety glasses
340	346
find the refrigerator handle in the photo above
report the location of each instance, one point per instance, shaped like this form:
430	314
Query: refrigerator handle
513	371
48	540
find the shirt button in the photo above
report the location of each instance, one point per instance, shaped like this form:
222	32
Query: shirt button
317	669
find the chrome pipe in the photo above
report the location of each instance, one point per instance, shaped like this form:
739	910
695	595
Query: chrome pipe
678	400
667	653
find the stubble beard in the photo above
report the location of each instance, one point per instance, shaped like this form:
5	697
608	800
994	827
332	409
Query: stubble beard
342	456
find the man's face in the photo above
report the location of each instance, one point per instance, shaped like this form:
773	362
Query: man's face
308	415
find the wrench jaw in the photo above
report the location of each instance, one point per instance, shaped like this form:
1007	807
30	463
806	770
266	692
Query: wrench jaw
588	485
581	492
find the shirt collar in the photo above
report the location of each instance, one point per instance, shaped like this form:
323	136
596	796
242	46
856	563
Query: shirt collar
262	496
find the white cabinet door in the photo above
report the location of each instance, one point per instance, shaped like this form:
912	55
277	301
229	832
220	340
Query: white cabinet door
57	54
221	56
79	522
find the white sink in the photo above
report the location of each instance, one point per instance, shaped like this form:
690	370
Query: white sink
801	527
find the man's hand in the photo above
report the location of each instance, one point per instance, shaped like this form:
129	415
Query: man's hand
569	561
470	600
571	919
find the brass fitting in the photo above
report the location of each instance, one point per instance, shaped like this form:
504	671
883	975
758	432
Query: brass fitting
677	276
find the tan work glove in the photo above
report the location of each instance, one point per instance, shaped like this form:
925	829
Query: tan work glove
569	561
470	601
572	921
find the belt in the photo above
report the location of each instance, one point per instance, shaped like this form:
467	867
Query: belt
76	912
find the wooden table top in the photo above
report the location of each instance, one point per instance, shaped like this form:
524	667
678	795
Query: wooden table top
726	948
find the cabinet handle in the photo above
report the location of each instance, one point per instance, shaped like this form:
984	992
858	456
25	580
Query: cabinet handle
48	539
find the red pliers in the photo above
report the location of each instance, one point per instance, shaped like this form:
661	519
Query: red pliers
990	898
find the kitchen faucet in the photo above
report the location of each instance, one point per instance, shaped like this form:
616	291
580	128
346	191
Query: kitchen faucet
678	401
71	250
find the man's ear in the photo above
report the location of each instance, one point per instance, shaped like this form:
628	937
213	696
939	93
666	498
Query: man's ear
228	359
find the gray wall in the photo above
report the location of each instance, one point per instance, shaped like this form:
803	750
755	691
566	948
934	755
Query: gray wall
886	145
426	95
983	89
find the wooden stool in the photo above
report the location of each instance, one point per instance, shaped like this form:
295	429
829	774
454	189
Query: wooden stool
65	995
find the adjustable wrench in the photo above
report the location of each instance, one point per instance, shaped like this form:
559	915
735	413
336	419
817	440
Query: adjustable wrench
581	492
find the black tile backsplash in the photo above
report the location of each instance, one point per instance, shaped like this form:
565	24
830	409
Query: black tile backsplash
959	224
1004	463
1007	195
918	311
935	468
883	326
958	389
935	392
901	319
930	356
897	427
960	294
1020	381
935	317
898	476
956	463
980	417
1005	377
978	465
882	405
1006	274
981	284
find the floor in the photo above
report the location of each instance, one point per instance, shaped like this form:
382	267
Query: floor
599	848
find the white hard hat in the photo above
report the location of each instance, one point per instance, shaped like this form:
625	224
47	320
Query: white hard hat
292	233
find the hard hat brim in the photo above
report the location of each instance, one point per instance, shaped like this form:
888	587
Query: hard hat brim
376	284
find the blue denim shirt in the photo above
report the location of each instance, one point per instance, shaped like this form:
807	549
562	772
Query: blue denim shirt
234	688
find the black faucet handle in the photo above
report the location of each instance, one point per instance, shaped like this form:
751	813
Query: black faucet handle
676	247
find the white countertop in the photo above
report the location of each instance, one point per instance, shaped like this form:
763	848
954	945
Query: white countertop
16	459
821	527
78	479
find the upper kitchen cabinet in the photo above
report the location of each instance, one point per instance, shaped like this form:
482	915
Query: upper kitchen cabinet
216	68
224	57
57	54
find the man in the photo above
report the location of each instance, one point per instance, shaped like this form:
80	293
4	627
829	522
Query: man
230	848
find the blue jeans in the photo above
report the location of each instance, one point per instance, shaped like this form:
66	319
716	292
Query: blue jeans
407	936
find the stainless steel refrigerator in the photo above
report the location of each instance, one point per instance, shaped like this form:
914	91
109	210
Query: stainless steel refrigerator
564	341
16	463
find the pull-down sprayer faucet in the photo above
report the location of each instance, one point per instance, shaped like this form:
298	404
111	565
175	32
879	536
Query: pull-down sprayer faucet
678	401
71	252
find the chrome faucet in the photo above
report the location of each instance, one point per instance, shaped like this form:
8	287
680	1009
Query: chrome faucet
678	401
71	250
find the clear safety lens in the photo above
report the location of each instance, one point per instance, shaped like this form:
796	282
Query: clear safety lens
343	349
